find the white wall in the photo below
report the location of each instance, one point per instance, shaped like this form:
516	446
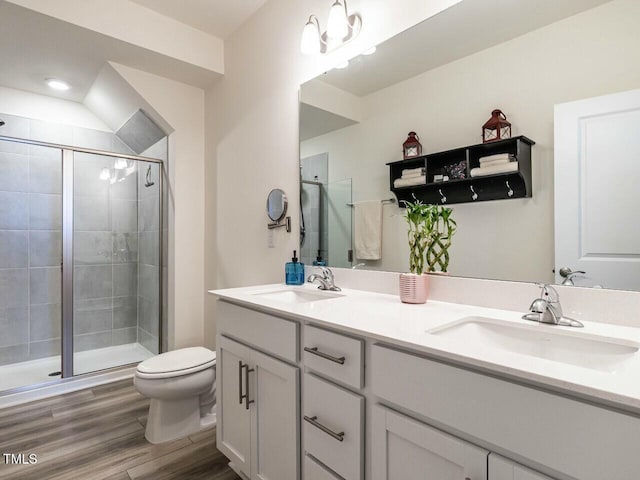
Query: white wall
182	106
525	77
137	25
252	131
49	109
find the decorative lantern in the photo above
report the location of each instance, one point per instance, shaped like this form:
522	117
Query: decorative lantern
412	146
496	128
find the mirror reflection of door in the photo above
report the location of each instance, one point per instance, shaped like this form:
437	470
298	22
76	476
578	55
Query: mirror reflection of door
325	214
597	169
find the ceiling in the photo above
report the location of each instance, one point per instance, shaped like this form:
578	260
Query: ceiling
216	17
466	28
35	46
316	121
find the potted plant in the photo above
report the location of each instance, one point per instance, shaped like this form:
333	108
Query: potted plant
414	286
441	228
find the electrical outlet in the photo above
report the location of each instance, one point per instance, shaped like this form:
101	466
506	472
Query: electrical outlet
270	239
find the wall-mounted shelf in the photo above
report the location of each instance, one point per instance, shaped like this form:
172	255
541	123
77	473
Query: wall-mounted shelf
501	186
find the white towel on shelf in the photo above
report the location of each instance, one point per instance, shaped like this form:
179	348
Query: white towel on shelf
503	168
412	172
499	156
494	162
410	182
368	230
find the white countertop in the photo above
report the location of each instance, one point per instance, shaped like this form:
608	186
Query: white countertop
383	317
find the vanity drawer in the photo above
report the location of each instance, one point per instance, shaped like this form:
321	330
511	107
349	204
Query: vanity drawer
271	334
314	471
334	427
560	433
336	356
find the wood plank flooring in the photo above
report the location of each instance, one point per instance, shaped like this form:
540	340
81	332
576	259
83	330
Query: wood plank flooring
98	434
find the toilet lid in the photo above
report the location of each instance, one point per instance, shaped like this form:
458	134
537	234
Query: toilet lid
177	360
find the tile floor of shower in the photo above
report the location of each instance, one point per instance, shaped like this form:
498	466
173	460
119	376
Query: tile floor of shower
34	372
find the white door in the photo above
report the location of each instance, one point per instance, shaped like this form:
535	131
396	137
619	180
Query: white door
597	188
275	419
234	419
502	469
403	448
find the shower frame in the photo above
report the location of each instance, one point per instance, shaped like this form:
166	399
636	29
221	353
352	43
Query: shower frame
67	265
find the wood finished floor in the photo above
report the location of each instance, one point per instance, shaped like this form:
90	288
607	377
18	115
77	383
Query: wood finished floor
98	434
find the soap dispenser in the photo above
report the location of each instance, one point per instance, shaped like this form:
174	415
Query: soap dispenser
294	271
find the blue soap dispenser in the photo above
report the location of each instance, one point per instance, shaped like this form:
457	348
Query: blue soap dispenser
294	271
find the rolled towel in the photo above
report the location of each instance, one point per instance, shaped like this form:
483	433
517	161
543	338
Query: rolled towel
409	182
499	156
503	168
413	172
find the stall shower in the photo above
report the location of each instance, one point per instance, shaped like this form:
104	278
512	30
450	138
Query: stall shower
81	251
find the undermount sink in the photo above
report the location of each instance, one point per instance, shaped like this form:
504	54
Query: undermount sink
542	341
293	296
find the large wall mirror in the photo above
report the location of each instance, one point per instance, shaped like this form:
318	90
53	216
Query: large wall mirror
566	76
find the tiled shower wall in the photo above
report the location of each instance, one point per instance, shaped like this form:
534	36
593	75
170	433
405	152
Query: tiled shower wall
107	283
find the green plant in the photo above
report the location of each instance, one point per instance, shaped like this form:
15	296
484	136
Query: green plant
441	228
431	229
416	214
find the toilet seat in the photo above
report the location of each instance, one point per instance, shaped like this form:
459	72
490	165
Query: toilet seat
177	363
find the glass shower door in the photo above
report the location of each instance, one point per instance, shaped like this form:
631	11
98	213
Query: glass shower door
30	264
116	255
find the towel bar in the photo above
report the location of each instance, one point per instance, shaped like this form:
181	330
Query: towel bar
386	200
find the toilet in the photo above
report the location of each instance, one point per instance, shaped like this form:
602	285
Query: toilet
181	385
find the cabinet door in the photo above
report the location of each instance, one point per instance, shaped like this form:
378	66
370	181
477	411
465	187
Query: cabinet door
234	420
275	419
501	468
404	448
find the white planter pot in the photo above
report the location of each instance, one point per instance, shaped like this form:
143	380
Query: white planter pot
414	288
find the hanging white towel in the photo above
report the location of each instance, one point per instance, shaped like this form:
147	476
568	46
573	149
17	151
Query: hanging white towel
368	230
504	168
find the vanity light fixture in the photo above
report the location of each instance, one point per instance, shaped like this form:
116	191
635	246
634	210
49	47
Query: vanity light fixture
341	29
57	84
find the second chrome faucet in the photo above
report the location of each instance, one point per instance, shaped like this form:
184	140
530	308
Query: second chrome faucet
547	309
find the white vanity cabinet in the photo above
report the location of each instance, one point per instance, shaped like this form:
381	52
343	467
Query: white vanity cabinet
501	468
366	410
404	448
258	412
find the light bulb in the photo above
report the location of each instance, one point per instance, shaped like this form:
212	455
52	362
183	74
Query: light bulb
338	24
310	43
104	174
120	164
57	84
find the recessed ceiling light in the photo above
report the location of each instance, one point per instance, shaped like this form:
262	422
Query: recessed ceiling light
370	51
57	84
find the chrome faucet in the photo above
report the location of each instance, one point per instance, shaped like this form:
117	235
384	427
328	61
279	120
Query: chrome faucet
327	281
547	309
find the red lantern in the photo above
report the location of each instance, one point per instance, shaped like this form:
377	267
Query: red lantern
496	128
412	146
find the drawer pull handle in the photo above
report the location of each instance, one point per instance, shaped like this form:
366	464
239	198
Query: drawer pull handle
326	356
314	421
